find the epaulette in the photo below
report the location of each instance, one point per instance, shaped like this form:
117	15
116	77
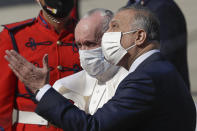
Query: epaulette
14	27
19	25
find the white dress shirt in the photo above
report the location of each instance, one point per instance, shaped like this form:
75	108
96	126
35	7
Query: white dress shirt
141	58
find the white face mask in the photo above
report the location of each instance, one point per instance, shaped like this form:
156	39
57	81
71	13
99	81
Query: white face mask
112	49
93	62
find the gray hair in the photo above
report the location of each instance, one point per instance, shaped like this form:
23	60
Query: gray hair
107	14
146	20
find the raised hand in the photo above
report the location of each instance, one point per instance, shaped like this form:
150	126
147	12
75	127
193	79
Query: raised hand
33	77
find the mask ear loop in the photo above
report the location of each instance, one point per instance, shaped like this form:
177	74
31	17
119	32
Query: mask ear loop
130	47
132	31
40	4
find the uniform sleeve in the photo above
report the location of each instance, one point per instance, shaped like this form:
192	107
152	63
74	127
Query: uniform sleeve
7	85
130	105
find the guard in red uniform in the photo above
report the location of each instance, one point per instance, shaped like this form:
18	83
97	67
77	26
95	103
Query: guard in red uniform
52	33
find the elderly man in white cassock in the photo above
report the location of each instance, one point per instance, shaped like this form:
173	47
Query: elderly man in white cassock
92	87
97	83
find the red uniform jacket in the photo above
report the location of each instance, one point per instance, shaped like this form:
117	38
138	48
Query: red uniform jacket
34	38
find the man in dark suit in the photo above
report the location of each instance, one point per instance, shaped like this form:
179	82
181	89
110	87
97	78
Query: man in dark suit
153	97
173	32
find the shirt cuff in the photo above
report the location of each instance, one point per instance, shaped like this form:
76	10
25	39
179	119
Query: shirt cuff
42	91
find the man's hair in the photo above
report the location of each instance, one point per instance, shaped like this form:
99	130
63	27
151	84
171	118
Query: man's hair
146	20
107	14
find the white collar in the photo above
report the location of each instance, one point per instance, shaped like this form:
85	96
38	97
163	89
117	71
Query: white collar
141	58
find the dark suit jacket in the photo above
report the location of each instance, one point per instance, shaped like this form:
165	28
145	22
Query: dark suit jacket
152	98
173	33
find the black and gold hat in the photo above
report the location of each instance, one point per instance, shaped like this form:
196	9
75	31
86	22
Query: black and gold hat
58	8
